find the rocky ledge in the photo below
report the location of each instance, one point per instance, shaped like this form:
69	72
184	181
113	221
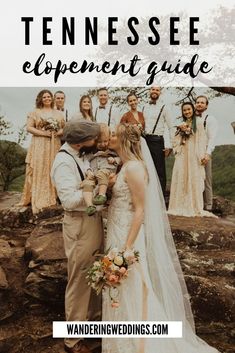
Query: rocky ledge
33	276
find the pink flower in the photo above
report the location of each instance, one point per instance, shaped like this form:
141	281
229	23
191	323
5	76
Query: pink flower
113	278
122	270
115	305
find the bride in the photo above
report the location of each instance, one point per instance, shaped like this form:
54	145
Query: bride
155	289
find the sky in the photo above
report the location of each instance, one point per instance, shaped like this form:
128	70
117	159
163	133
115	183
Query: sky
16	103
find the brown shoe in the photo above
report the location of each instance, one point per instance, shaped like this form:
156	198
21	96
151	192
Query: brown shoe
79	347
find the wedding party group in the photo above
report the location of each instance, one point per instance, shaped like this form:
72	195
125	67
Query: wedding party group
80	160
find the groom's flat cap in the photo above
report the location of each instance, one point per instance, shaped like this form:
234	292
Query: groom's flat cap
77	131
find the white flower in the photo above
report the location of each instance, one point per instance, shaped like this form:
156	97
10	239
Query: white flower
112	253
118	260
114	267
96	264
98	275
129	254
51	124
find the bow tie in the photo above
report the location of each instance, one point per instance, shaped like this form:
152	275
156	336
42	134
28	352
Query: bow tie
152	102
200	115
101	107
60	109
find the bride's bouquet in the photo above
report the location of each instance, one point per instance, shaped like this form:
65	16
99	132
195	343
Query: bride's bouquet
110	269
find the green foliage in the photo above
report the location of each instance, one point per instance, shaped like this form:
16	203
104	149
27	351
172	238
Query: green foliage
17	184
12	163
223	171
22	134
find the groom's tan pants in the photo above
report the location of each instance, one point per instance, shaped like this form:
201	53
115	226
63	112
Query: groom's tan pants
82	236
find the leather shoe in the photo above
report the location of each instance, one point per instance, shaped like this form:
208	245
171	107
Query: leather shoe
79	347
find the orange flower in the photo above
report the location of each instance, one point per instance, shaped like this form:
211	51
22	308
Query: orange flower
106	261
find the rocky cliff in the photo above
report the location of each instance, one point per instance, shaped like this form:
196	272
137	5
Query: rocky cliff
33	276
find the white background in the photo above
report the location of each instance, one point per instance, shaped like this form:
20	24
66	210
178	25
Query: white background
14	53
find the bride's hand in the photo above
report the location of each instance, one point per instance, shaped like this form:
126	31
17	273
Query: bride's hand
112	180
128	247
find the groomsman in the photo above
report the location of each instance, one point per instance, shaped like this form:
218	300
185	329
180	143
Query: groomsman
211	127
59	101
106	112
157	121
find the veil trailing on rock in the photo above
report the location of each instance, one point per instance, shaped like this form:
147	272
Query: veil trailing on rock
163	264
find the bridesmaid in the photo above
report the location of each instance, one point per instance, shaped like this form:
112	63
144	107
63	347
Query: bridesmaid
187	183
85	109
133	117
46	126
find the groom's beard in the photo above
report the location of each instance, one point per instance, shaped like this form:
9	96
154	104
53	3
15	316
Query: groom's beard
87	150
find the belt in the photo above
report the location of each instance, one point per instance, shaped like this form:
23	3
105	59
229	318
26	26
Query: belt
154	135
79	213
74	213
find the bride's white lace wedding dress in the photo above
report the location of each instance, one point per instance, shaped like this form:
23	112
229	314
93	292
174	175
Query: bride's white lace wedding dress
144	295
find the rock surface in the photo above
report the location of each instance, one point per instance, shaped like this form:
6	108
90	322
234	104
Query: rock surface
3	280
33	278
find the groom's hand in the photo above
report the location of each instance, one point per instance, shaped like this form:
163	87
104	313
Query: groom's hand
112	180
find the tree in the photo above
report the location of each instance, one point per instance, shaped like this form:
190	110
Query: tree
12	162
118	94
12	155
211	92
4	126
216	47
22	134
227	90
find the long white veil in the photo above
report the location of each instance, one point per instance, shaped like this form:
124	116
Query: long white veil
164	268
163	264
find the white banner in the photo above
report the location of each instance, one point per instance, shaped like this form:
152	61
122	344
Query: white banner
95	329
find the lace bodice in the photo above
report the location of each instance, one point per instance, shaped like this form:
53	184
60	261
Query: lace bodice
121	193
120	212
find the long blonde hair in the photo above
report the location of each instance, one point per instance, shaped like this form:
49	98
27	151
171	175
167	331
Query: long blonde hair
129	137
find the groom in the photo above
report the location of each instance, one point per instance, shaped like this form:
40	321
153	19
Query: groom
82	234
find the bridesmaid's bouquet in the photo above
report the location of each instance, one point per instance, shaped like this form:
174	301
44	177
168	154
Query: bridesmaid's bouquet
110	269
50	124
185	131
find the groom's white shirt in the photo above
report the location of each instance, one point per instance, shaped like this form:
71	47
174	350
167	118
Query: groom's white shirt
66	178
